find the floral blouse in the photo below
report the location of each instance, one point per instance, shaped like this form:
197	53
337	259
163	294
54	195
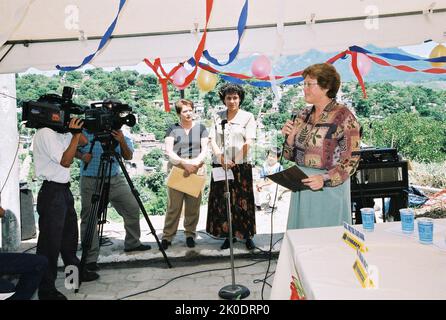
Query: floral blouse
332	143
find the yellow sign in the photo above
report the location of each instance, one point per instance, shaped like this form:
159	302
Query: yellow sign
360	268
354	238
353	242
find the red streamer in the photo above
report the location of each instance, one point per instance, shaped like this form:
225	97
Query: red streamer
168	76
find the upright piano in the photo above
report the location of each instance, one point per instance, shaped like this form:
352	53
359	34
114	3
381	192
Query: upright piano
381	174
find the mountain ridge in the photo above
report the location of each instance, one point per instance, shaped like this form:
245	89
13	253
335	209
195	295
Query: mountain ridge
292	63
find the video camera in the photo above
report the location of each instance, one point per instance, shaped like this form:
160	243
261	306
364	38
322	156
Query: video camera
51	111
103	117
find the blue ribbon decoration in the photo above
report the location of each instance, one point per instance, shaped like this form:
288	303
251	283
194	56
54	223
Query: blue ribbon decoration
191	61
262	84
296	80
232	79
104	40
240	29
396	56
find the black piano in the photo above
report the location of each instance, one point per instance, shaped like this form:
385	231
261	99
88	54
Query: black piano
381	174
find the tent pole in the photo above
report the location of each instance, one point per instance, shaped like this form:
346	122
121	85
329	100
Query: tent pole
4	56
260	26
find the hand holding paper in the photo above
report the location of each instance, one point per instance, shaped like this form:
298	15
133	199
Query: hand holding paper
290	178
315	182
191	184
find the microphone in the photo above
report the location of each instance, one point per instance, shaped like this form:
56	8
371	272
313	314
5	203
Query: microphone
293	118
294	113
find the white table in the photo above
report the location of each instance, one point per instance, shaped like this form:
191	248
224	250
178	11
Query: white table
323	262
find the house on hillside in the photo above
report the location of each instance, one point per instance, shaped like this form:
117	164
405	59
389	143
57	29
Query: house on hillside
159	104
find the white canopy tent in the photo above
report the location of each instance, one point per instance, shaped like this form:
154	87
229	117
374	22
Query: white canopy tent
44	33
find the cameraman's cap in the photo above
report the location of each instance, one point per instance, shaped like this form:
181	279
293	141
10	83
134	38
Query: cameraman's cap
111	101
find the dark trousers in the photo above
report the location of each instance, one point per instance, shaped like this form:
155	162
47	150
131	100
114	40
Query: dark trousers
30	269
58	230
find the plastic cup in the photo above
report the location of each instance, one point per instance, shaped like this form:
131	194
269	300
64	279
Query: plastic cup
407	220
425	230
368	219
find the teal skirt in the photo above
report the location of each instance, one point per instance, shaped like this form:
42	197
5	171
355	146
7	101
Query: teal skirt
323	208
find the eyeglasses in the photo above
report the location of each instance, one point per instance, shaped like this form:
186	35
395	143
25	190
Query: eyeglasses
309	84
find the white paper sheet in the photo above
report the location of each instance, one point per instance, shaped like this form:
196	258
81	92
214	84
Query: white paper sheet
218	174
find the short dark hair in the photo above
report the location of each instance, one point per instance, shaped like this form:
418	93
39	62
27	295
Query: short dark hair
182	102
111	102
327	77
231	88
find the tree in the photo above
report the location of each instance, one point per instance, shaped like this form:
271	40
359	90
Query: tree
154	158
289	100
275	121
153	192
155	120
418	138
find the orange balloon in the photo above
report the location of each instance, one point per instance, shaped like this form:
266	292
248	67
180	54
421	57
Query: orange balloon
206	81
438	51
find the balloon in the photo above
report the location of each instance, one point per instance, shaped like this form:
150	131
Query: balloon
206	80
364	64
261	67
179	76
438	51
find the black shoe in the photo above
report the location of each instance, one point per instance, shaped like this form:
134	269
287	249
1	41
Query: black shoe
88	276
250	244
51	295
165	244
92	266
190	242
225	244
141	247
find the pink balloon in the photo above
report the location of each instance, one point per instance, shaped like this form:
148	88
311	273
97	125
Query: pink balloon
364	64
179	77
261	67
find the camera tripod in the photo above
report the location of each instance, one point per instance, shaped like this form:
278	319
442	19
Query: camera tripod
100	197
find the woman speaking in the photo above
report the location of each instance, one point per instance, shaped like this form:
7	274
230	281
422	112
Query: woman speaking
324	142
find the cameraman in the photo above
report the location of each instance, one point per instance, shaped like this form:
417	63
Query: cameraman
53	155
120	195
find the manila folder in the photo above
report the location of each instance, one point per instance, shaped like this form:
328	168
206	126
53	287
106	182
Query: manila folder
192	184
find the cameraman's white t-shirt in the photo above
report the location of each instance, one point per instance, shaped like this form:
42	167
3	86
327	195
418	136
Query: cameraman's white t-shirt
48	148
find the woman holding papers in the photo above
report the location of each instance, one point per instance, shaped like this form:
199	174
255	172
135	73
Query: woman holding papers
239	129
186	146
324	142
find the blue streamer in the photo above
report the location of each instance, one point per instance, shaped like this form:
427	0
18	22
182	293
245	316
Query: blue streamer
262	84
240	29
296	80
232	79
396	56
104	40
191	61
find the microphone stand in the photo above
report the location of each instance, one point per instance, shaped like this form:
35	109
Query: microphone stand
232	291
267	274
